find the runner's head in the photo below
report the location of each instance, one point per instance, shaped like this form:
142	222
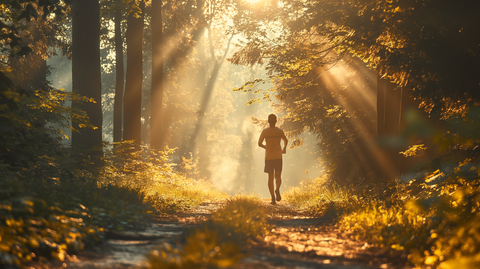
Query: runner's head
272	119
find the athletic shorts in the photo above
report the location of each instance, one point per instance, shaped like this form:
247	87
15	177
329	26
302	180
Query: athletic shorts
273	165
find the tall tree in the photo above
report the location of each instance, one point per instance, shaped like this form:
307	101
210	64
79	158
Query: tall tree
156	107
133	87
210	15
120	76
86	76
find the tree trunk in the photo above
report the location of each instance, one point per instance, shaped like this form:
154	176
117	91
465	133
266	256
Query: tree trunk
207	92
120	79
86	76
389	112
133	87
156	116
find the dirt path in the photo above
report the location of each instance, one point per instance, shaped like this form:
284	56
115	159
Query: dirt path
296	241
301	241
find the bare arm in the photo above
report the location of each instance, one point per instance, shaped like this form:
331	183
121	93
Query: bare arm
260	141
285	142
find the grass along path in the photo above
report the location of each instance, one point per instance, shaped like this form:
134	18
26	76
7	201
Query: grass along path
296	240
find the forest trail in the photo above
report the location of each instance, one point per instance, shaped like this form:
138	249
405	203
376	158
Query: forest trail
297	240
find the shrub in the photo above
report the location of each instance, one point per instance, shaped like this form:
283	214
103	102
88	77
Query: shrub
133	165
218	242
319	196
435	219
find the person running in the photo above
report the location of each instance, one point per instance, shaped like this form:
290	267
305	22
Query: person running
273	155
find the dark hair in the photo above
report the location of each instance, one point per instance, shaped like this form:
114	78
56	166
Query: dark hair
272	119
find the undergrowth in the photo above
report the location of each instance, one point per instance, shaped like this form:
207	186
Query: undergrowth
54	214
433	217
135	166
319	196
219	242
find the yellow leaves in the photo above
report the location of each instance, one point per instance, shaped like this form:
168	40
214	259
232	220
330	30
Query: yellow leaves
414	150
335	111
4	248
6	207
33	243
397	247
14	223
434	175
20	236
397	10
59	256
430	260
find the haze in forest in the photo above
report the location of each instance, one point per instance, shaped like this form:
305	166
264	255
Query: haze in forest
237	163
201	76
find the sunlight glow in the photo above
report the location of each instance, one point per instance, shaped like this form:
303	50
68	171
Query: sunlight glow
366	102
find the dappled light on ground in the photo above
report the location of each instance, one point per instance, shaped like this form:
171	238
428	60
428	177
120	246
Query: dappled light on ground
295	239
300	240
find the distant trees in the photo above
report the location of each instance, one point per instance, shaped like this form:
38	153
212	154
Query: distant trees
119	72
156	109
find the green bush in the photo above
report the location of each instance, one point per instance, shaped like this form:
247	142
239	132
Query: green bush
133	165
218	242
434	218
319	196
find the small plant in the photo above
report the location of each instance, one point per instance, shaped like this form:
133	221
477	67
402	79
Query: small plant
203	249
320	197
218	242
243	218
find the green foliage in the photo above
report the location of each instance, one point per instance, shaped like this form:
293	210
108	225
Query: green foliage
218	242
320	196
435	216
61	207
14	14
133	166
440	229
412	43
32	229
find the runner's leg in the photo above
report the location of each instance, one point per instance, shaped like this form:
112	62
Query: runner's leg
270	186
278	183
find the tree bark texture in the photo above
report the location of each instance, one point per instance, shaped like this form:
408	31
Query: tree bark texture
86	75
133	87
120	79
156	116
